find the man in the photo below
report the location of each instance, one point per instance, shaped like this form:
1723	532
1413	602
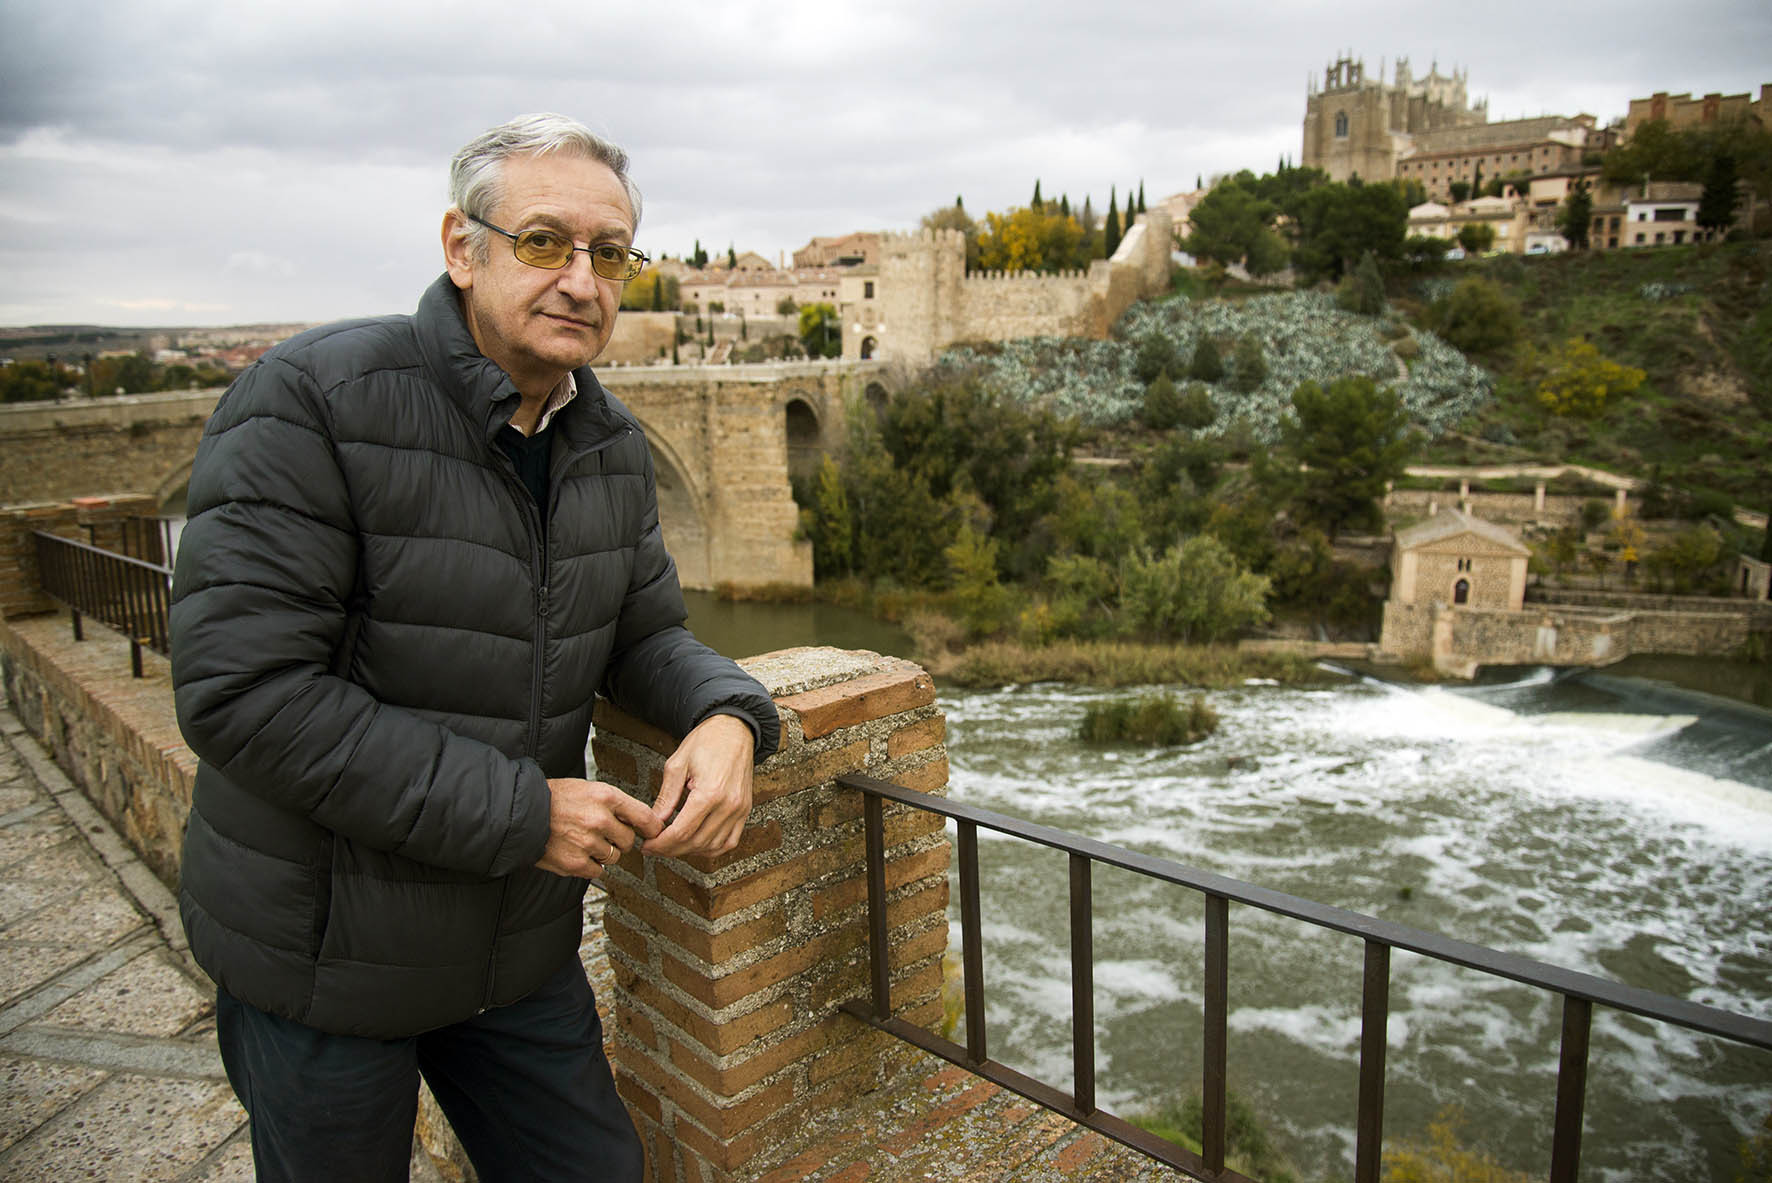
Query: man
417	548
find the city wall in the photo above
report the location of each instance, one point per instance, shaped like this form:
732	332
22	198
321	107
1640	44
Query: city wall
928	302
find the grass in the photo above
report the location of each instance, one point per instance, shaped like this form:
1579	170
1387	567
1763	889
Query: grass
1154	719
1118	663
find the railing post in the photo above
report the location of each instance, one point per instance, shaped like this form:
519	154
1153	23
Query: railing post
1578	1016
972	944
1375	1009
1082	984
879	953
1215	1041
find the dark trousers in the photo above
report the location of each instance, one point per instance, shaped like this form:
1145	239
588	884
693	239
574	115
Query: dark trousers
525	1086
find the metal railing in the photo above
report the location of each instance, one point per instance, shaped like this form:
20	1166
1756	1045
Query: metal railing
124	593
1580	992
150	539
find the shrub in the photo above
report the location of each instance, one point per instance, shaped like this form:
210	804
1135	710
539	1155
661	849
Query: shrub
1156	356
1206	366
1581	382
1479	316
1151	719
1363	291
1162	404
1250	367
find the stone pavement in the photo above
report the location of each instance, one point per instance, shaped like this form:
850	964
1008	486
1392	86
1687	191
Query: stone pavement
109	1069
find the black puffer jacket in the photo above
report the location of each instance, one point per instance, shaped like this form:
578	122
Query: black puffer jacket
379	663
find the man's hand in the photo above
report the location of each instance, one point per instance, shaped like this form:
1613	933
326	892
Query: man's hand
706	794
590	825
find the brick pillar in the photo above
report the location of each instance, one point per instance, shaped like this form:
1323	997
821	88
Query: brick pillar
728	970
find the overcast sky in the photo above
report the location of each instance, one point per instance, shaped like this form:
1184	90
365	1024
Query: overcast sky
174	162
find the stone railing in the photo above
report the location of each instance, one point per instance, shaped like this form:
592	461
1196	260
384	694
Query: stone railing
724	1032
727	1039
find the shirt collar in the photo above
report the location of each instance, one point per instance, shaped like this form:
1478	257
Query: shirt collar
562	394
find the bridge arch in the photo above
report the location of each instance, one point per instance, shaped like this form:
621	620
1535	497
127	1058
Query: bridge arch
805	434
683	515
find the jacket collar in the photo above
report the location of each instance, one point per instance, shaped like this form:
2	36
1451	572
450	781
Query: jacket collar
484	392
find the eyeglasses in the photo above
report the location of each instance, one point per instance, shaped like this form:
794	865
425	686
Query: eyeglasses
552	250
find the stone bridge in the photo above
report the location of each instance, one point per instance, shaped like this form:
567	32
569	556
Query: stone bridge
725	441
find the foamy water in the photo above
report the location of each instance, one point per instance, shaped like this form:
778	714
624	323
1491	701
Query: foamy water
1535	818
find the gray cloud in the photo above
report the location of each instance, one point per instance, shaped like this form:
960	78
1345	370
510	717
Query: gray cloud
289	163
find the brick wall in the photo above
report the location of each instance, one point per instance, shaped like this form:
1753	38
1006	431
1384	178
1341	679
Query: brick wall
729	970
98	520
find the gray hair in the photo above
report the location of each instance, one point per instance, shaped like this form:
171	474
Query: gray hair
476	175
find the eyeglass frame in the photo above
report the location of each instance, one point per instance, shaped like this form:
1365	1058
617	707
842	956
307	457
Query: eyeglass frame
636	258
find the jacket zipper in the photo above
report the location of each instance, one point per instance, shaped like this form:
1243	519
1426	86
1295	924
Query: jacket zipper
538	580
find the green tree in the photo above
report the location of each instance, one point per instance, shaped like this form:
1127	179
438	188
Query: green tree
1580	382
821	330
1196	592
1339	223
1031	240
1716	205
1424	252
975	592
1363	291
1206	365
1460	190
700	258
32	381
1476	237
1233	224
1036	203
652	290
1110	235
1247	364
828	523
1577	215
1162	404
1349	441
1685	561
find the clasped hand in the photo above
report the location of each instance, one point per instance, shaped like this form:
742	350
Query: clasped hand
701	808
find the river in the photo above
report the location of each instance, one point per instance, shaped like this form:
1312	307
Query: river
1616	825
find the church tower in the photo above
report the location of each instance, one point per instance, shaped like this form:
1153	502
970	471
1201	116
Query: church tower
1356	125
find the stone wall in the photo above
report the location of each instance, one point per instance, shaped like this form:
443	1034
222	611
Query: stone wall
142	443
1459	639
928	302
726	1033
640	338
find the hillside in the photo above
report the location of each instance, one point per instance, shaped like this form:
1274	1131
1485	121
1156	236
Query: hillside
1697	321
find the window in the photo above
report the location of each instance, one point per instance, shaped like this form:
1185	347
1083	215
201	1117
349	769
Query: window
1679	237
1659	236
1639	237
1461	592
867	289
1670	214
1341	125
1614	223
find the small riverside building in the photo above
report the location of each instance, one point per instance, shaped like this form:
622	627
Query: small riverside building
1455	558
1451	561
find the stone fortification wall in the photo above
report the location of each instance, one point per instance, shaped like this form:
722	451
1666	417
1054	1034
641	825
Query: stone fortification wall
139	442
1758	614
927	301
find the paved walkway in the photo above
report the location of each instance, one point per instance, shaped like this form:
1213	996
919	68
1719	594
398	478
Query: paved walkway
109	1069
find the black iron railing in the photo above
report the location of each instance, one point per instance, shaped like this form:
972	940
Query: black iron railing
150	539
124	593
1580	992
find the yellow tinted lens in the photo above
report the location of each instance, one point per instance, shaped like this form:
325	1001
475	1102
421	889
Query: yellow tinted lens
543	248
613	262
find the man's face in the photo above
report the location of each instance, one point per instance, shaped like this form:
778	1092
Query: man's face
535	323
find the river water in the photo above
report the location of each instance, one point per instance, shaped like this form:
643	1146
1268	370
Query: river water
1611	825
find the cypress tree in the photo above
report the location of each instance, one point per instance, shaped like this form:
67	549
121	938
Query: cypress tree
1141	206
1110	235
1036	205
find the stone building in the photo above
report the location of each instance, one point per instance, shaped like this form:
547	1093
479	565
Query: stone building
1492	151
1355	125
1456	558
1684	111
